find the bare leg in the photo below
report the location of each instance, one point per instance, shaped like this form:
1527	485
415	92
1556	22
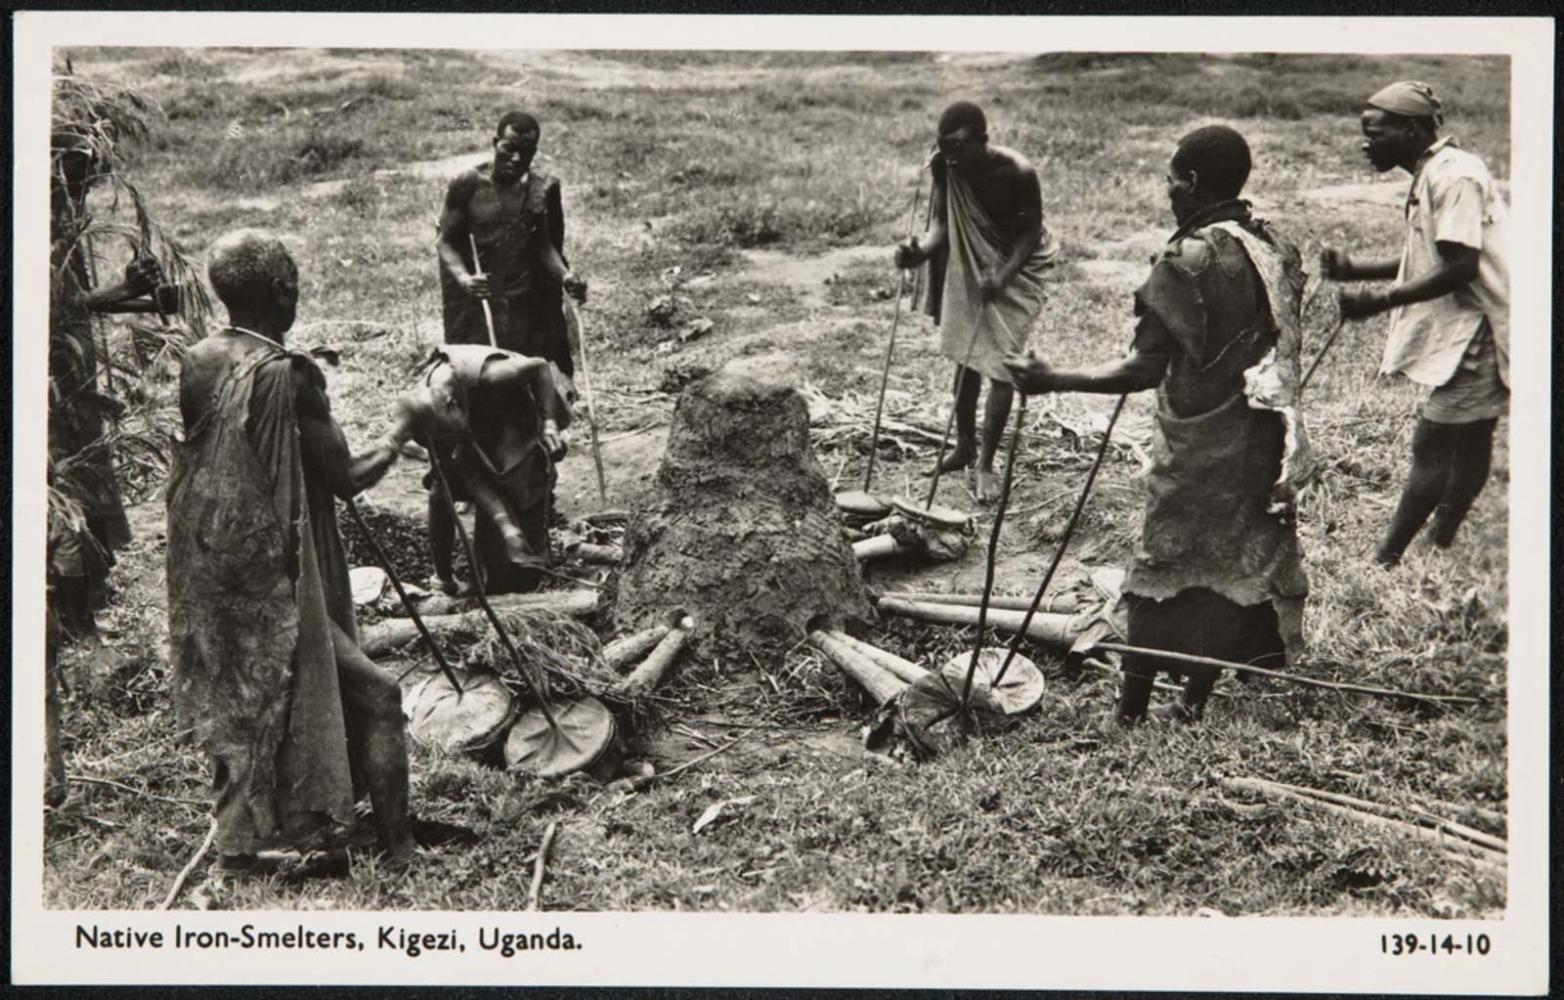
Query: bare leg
377	741
968	385
996	413
1433	446
442	535
1135	690
1469	464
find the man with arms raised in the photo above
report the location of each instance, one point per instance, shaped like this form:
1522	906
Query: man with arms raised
985	250
263	643
1449	309
1217	571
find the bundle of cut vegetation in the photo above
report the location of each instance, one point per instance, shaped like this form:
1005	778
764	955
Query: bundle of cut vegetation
124	365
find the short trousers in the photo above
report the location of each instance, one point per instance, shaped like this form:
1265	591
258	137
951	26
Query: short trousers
1475	392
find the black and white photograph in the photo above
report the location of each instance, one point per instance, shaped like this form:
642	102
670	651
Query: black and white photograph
581	500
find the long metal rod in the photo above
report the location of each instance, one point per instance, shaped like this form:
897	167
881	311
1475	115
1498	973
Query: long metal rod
477	582
993	547
488	313
407	602
1064	540
586	383
890	352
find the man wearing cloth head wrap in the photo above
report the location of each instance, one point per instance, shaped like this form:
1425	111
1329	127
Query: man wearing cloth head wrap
986	249
1449	309
1217	571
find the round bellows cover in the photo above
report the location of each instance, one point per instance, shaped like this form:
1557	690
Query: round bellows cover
585	730
458	722
931	715
1020	689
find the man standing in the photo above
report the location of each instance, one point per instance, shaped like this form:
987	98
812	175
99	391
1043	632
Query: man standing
81	405
985	250
263	643
514	215
493	419
1218	571
1449	309
86	521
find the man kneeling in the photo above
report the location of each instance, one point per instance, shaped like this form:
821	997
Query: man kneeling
1217	572
263	643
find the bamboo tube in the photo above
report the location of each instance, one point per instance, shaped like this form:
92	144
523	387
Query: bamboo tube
392	633
1049	629
626	650
903	669
876	547
608	555
1063	603
564	602
881	684
1274	790
651	670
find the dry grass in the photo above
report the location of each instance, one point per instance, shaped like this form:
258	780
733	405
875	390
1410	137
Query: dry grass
687	161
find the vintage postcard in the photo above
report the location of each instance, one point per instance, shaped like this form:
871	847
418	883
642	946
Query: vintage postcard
781	501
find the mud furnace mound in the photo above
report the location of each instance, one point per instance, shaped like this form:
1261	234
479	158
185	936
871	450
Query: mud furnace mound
742	529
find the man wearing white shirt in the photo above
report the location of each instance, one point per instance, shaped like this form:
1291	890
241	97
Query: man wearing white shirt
1450	309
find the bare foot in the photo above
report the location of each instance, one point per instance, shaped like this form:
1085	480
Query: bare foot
987	486
960	458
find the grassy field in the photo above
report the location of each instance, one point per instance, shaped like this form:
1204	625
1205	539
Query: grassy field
771	172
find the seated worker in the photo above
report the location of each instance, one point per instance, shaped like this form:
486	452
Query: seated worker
494	421
1217	571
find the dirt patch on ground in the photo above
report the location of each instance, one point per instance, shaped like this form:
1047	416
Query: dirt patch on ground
809	275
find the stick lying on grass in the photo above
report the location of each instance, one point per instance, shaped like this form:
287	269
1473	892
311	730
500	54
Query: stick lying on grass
1206	661
537	866
190	866
1464	849
1418	816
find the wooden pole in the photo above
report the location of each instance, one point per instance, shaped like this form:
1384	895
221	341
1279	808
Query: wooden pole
1064	540
1206	661
890	352
488	312
993	550
407	602
1336	332
537	688
591	406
